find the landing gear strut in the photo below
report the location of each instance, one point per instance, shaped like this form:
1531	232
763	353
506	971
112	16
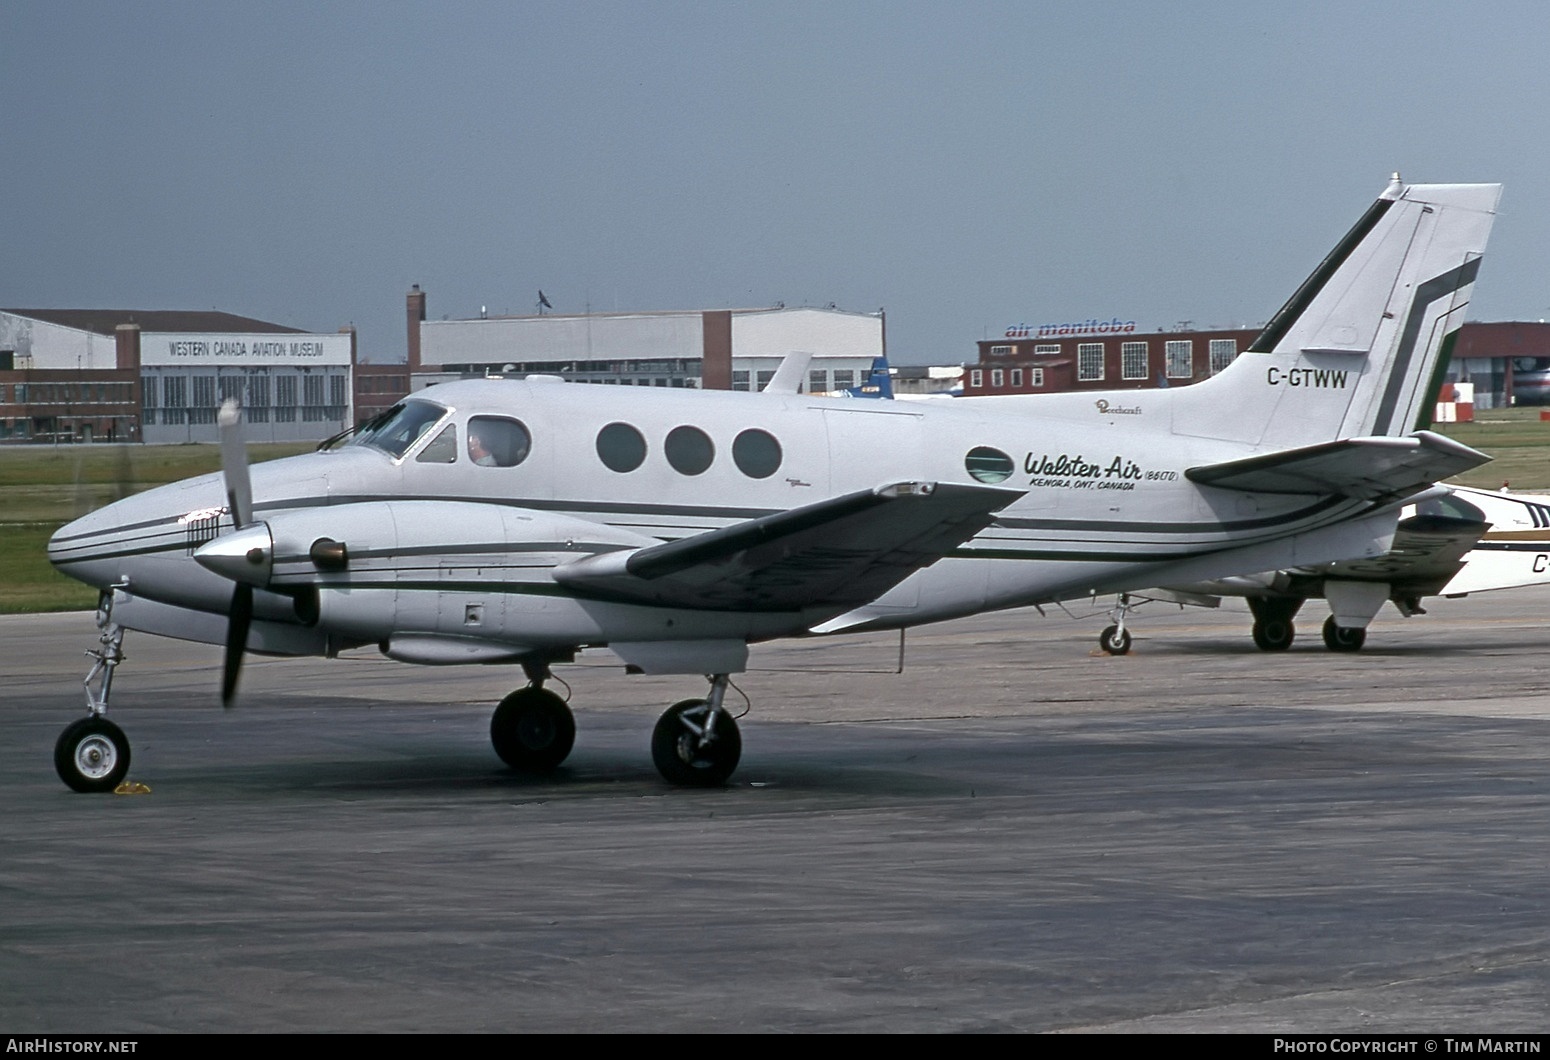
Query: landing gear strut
92	754
696	743
532	729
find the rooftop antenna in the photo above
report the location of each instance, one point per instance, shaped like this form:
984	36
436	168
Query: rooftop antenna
543	303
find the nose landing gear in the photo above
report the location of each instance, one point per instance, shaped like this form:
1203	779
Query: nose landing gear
92	754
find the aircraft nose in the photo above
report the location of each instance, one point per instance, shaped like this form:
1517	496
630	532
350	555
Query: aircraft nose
73	547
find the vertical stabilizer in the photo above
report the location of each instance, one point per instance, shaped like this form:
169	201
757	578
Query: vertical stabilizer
1360	348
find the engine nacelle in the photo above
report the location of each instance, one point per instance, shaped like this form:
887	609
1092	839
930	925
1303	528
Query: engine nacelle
380	569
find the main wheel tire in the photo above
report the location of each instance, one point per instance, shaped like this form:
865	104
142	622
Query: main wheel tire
92	755
684	758
1343	638
533	730
1114	640
1274	634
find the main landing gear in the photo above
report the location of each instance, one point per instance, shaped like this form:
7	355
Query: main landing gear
696	743
1343	638
532	729
92	754
1273	629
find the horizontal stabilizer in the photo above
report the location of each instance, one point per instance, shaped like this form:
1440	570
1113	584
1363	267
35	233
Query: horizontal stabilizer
1365	468
833	555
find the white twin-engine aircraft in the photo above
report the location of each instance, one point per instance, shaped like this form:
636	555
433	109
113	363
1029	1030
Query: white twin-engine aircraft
504	521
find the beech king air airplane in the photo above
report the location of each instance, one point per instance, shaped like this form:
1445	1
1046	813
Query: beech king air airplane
1459	542
506	521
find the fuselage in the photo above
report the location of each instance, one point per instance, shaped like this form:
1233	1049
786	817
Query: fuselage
1105	504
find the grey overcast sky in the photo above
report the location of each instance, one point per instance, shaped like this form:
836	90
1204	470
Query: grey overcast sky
965	165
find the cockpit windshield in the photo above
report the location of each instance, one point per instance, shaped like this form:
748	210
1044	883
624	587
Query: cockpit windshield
397	429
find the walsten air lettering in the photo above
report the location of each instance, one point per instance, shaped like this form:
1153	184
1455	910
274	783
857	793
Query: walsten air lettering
1068	466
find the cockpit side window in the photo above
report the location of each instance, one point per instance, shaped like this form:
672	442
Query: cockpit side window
400	427
441	449
495	441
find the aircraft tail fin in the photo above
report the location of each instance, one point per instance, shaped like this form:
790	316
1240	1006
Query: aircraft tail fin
1361	347
879	382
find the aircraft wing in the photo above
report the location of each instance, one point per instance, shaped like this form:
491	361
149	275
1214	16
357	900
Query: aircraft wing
835	554
1428	550
1367	468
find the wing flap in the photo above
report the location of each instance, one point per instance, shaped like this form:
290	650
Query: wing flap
835	554
1378	468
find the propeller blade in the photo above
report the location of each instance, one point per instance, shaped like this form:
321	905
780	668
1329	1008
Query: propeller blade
236	640
234	463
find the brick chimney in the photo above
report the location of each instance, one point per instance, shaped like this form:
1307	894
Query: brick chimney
126	343
716	350
415	304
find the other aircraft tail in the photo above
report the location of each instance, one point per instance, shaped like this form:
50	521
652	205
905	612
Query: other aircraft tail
1361	348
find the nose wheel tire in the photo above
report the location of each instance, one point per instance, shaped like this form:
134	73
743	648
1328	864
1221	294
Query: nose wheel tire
533	730
92	755
689	752
1114	640
1343	638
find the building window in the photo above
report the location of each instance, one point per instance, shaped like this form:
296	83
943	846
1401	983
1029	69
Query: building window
818	381
844	378
1036	378
1017	378
997	379
1181	358
258	399
740	380
202	408
765	377
285	399
1132	360
174	399
1089	361
1047	350
1223	351
148	391
976	378
336	393
1001	351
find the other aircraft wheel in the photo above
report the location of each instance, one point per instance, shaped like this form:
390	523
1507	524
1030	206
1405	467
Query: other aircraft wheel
1343	638
532	730
92	755
1273	634
1114	640
684	756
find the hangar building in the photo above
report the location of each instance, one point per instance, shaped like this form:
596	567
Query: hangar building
160	376
725	349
